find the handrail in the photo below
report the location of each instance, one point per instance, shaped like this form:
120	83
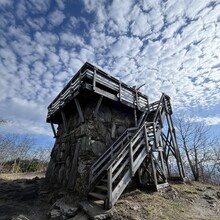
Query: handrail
108	158
87	70
108	155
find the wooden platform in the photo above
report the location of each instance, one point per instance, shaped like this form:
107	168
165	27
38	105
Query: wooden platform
94	80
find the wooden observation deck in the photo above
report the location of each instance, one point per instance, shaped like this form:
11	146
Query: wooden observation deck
91	79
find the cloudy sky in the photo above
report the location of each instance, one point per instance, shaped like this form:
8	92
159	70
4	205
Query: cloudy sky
171	45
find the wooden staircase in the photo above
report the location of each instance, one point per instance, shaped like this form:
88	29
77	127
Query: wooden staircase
139	150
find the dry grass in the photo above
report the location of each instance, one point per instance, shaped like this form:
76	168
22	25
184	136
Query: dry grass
14	176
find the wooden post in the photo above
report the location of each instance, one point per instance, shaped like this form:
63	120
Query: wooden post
155	136
136	95
97	107
135	118
79	110
153	169
94	80
53	129
146	139
176	150
64	121
120	91
131	160
109	197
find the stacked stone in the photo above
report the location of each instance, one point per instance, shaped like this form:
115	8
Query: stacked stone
75	152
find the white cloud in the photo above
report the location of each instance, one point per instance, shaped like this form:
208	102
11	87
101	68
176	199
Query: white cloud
126	46
118	12
5	2
172	46
213	120
138	24
40	6
56	18
61	4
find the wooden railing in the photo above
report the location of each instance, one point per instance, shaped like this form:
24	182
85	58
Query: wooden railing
100	82
124	157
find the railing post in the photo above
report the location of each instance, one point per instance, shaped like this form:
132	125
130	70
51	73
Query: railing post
146	139
131	159
135	117
94	80
119	90
108	203
155	136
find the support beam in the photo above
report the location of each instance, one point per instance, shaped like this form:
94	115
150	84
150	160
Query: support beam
135	118
94	80
64	121
120	91
53	129
79	110
97	106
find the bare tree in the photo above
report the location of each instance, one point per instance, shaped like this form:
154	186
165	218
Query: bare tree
197	146
21	150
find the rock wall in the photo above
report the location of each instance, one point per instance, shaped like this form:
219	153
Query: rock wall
75	152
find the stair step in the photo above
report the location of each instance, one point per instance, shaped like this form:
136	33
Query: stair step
162	185
97	195
102	187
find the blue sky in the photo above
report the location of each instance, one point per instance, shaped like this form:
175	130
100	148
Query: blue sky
171	45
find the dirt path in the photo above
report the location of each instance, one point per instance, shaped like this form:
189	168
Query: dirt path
31	198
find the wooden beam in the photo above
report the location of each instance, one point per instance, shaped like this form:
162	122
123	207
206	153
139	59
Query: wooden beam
97	106
153	169
64	121
53	129
79	110
119	90
135	118
94	79
131	160
109	185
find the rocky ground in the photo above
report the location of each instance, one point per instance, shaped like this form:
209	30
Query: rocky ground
23	199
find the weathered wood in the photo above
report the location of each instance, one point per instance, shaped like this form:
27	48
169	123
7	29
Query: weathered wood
153	169
131	160
135	118
138	146
119	90
97	106
138	161
109	186
106	94
107	81
94	80
146	139
120	170
119	160
53	129
64	121
120	187
79	110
